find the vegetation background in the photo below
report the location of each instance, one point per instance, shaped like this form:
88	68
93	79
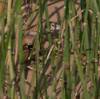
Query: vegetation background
49	49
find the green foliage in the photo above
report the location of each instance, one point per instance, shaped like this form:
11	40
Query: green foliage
68	60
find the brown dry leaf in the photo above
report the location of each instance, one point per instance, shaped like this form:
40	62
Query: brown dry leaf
2	7
46	45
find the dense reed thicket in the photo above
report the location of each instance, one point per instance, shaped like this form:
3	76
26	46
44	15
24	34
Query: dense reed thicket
49	49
